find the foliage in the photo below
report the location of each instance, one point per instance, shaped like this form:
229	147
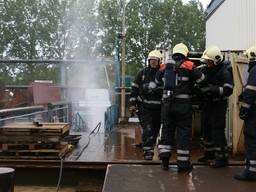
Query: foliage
43	30
152	24
29	31
82	29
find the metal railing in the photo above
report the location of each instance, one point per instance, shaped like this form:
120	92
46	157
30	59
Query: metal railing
79	125
111	117
59	114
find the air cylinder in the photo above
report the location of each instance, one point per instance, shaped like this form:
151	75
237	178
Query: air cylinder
6	179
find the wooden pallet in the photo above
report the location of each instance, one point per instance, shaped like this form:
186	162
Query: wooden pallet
15	139
31	146
29	129
29	141
35	153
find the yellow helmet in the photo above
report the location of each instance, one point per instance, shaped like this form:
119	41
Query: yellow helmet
181	49
155	54
213	53
251	53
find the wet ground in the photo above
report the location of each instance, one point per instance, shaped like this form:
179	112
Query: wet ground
119	145
115	146
151	178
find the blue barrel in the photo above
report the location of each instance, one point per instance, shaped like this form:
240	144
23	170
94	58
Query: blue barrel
6	179
127	81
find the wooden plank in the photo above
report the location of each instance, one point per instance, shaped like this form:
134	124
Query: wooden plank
240	75
28	131
36	153
239	67
29	139
31	157
65	150
240	144
42	134
62	127
33	146
57	129
41	151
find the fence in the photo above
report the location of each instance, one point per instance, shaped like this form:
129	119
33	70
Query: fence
57	114
111	117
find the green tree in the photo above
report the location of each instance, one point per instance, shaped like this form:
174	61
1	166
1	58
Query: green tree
80	29
53	29
29	30
151	24
110	21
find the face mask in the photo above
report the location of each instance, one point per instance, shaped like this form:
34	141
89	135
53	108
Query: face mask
178	57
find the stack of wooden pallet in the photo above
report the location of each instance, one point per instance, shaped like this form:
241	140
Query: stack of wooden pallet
33	141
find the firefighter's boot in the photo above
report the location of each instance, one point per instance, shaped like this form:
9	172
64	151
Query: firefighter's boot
186	169
221	155
208	156
165	163
246	175
219	163
148	155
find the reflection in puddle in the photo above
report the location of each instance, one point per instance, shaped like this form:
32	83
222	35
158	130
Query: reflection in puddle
118	145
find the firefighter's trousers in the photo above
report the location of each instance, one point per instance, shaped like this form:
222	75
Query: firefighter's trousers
250	139
213	126
176	115
150	121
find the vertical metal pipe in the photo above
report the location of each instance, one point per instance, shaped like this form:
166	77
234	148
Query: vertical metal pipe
117	64
123	66
62	79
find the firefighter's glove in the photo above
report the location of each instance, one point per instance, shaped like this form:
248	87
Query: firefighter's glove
197	90
244	113
132	109
150	87
211	91
240	98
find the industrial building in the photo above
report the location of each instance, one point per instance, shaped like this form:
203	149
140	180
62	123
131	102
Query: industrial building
231	24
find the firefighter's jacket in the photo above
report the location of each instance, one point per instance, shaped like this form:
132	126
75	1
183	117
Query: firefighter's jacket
248	97
144	89
186	75
220	81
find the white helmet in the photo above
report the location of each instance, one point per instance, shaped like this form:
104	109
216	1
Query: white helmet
251	53
155	54
213	53
181	49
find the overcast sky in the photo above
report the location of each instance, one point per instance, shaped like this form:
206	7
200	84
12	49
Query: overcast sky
204	2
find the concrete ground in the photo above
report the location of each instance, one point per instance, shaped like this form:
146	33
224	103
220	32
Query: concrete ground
151	178
119	147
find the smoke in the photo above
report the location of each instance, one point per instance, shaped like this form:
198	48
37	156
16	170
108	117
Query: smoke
86	77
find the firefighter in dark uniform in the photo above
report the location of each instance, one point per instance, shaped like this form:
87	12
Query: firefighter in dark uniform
248	114
146	97
219	86
179	78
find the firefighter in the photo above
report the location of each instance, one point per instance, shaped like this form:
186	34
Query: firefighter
178	77
219	86
146	96
248	114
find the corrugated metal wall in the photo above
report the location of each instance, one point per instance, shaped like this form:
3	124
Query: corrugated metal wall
233	25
